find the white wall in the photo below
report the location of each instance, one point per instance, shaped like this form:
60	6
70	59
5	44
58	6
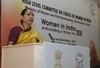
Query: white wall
99	24
99	17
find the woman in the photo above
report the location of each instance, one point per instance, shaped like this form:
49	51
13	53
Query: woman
24	33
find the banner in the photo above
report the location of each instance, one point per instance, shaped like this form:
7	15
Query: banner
58	56
59	21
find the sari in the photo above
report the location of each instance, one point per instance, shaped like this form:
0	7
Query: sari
28	37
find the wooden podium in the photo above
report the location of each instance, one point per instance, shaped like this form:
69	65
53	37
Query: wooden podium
22	56
45	55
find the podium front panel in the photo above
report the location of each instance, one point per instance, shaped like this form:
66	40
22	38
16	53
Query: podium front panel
22	56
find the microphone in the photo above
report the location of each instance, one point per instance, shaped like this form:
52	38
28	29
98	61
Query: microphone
50	36
37	40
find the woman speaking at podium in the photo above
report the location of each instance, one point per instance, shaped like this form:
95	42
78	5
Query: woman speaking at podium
24	33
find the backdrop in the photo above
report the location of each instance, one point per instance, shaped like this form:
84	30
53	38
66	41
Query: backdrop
60	21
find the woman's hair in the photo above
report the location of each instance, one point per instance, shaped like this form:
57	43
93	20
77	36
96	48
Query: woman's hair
23	12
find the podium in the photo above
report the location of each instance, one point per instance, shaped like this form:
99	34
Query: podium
22	56
44	55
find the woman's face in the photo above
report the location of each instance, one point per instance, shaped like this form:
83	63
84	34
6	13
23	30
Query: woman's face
28	17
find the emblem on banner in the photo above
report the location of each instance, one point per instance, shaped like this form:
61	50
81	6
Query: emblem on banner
92	8
58	55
